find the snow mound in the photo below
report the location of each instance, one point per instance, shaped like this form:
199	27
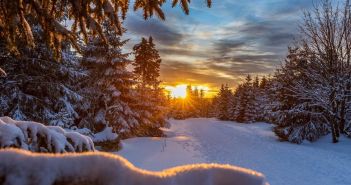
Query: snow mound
23	167
40	138
106	135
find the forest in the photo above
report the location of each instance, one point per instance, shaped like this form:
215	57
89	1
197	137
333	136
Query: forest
68	84
91	89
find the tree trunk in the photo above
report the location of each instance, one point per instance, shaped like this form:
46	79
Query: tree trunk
342	118
335	139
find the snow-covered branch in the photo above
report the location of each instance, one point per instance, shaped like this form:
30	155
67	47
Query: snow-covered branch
37	137
2	73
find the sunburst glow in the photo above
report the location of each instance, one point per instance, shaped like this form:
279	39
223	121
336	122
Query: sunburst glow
178	91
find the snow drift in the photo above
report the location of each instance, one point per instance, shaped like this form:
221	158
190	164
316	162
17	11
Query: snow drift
37	137
23	167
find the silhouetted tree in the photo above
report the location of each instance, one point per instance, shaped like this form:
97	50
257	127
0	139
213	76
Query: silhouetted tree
151	98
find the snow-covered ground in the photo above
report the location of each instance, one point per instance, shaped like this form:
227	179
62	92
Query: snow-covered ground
21	167
251	146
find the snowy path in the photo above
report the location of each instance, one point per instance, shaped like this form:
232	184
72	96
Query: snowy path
251	146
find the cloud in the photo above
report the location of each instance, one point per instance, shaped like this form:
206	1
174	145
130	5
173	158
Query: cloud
224	43
244	64
174	72
253	47
224	46
163	33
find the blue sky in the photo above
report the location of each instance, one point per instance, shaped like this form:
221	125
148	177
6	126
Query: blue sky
221	44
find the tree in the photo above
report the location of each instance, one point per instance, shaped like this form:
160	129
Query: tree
296	119
87	17
266	99
151	100
147	63
107	88
246	108
318	72
256	83
223	103
37	89
263	83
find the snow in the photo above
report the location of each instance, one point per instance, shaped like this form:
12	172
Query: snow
11	136
252	146
106	135
23	167
38	137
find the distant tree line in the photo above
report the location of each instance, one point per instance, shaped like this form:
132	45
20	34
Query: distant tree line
195	104
310	95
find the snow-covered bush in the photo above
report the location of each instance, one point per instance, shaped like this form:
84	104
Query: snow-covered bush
40	138
107	140
23	167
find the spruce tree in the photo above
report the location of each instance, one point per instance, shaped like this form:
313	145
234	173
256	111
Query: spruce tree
223	103
107	87
151	98
36	89
234	103
246	107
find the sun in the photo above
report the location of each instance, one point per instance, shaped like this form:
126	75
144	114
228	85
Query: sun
178	91
181	90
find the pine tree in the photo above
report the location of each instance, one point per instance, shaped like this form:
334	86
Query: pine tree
315	81
107	87
223	103
256	83
296	118
246	107
147	63
263	101
203	105
151	98
39	90
234	103
263	83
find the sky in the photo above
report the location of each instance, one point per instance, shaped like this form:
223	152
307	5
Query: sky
221	44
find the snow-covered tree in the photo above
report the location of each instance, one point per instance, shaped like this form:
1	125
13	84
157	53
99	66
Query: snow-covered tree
299	117
36	88
151	99
246	106
316	79
107	88
234	103
266	100
223	102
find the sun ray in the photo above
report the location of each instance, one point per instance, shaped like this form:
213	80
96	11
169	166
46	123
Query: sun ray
178	91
